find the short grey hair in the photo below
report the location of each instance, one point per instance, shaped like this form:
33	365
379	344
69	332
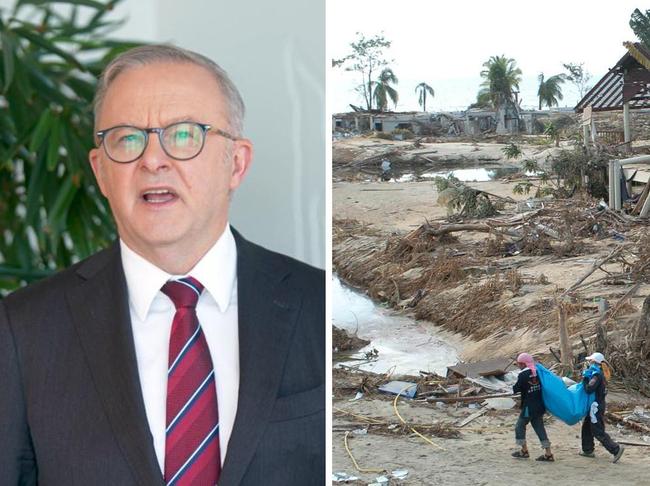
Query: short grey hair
150	54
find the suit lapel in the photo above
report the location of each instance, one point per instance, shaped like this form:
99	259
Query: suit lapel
99	307
266	321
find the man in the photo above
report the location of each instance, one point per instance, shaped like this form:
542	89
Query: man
593	425
183	354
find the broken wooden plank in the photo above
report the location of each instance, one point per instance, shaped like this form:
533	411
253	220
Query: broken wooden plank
629	442
595	266
643	200
470	391
633	425
477	398
475	415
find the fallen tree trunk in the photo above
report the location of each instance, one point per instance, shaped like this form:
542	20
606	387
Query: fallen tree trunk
595	266
622	420
480	227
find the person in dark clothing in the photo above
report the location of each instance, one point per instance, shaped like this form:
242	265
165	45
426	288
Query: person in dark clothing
532	409
595	381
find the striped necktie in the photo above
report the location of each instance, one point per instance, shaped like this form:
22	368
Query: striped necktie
192	454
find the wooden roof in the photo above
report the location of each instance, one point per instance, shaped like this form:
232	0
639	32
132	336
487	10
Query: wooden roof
628	80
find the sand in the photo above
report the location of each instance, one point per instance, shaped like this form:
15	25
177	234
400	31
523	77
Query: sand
482	455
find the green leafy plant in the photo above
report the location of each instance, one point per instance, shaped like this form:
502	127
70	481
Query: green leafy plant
544	187
366	58
553	132
422	90
51	211
384	89
501	78
462	200
549	92
511	151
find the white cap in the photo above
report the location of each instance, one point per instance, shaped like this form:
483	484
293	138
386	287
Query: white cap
597	357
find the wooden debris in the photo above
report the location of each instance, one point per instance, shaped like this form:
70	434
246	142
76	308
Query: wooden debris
614	417
475	415
478	398
595	266
629	442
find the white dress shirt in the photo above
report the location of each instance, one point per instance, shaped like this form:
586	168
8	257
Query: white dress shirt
152	313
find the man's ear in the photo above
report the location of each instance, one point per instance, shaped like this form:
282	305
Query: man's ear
95	164
242	157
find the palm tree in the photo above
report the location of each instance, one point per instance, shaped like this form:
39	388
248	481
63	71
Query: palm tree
383	89
550	91
423	89
501	78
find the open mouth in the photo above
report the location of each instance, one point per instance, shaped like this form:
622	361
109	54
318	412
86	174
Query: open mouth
159	196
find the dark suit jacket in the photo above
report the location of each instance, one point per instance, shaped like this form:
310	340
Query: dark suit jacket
71	408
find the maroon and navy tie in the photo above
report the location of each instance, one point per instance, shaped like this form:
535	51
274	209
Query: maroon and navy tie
192	455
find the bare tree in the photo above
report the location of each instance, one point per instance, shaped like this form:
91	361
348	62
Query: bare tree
366	58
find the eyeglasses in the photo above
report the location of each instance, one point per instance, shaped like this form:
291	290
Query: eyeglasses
181	141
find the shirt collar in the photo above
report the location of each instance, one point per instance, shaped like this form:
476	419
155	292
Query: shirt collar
216	270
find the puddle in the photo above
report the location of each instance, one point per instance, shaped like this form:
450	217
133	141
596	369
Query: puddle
464	175
402	342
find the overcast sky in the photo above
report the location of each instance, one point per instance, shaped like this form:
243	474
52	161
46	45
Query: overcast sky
445	44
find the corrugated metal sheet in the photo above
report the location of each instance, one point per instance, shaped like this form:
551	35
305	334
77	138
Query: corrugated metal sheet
607	94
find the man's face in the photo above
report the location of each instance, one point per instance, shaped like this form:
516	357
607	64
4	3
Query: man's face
161	204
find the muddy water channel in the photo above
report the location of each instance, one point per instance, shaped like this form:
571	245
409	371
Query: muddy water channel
401	342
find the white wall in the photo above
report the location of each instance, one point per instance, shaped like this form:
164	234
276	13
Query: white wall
275	54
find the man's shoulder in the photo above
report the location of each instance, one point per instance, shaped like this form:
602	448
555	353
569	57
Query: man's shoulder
277	264
51	287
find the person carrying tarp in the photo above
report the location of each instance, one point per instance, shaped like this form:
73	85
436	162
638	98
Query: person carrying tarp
594	379
532	409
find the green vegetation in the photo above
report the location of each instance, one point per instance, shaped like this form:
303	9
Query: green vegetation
422	89
462	200
553	132
501	78
511	151
367	57
51	211
640	25
549	92
384	89
570	171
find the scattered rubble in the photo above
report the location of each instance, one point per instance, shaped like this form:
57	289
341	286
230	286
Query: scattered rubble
540	274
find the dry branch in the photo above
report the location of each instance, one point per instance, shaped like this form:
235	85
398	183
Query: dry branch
595	266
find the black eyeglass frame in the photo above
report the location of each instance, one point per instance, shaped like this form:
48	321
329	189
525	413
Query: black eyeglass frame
158	130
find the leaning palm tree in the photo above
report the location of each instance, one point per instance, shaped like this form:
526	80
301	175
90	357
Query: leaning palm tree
383	89
422	89
501	77
550	91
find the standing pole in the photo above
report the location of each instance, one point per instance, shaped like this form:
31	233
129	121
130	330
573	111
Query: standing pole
566	353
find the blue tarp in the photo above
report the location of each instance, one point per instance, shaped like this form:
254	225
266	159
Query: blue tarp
568	404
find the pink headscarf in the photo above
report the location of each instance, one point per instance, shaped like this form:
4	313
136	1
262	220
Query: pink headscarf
528	360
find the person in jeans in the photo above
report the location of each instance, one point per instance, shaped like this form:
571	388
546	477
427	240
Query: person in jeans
595	381
532	409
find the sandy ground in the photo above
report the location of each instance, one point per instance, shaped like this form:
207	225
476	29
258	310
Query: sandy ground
400	206
481	456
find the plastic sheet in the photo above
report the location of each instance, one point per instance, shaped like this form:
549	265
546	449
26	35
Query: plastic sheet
568	404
